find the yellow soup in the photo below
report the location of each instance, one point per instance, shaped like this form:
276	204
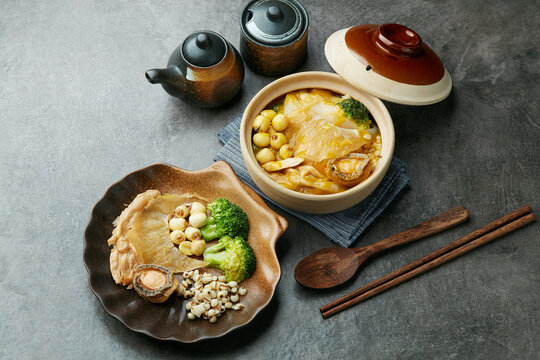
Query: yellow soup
316	142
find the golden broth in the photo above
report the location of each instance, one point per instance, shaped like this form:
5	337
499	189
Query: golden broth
309	141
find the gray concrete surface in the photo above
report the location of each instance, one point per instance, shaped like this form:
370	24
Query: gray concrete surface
77	114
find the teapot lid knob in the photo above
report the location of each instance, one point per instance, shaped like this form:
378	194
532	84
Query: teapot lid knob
274	13
204	48
203	41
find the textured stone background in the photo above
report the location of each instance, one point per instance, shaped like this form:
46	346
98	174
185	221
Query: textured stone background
77	114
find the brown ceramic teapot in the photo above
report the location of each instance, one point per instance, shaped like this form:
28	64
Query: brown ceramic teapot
205	70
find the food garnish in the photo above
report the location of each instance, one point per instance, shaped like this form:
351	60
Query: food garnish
181	211
356	111
150	235
321	131
211	295
233	256
122	260
197	207
141	236
154	283
178	224
197	220
177	237
347	171
198	246
265	155
155	237
282	164
226	219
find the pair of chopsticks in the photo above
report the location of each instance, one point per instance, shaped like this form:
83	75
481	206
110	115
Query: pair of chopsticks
471	241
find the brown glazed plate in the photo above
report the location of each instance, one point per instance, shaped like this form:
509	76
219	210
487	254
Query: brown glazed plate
168	321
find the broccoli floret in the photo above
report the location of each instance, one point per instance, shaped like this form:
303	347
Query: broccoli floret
278	108
233	256
356	111
226	219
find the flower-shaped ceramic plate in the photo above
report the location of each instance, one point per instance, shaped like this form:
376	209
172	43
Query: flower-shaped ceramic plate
168	320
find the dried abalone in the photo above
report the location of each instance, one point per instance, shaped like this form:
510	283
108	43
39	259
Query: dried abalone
154	283
349	170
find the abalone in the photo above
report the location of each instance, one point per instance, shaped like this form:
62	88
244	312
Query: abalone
154	283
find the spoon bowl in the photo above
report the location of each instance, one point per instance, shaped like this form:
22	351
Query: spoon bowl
331	267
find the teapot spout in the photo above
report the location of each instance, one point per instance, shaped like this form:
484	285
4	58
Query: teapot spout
168	75
153	76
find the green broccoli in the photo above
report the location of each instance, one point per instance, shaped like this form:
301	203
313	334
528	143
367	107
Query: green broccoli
226	219
278	108
233	256
356	111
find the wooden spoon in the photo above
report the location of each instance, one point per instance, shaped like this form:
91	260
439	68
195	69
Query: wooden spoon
333	266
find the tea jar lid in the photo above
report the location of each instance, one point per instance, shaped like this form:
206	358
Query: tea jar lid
274	22
389	61
204	48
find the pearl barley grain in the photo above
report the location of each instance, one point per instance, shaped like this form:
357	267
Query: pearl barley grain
209	301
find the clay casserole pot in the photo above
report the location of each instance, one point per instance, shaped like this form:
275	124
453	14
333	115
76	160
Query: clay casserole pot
309	203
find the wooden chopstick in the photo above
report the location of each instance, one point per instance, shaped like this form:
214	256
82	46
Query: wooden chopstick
487	233
433	255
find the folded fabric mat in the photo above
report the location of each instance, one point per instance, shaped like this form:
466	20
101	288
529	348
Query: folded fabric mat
342	227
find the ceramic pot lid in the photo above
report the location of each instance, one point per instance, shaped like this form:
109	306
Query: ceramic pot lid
389	61
204	48
273	22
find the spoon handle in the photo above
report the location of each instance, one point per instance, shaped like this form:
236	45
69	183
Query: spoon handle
429	227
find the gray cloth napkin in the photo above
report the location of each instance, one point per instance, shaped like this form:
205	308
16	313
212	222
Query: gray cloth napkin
342	227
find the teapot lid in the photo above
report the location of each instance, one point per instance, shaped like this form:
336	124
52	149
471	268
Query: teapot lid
274	22
389	61
204	48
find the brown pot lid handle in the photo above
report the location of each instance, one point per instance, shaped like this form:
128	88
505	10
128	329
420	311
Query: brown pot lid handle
399	40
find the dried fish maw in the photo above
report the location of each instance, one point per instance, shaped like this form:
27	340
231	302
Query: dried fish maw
123	222
123	258
291	104
306	179
317	139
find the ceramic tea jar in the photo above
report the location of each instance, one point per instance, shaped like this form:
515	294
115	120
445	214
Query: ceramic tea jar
274	36
205	70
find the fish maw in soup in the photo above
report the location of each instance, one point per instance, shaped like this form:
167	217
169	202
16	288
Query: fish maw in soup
317	139
324	141
317	128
